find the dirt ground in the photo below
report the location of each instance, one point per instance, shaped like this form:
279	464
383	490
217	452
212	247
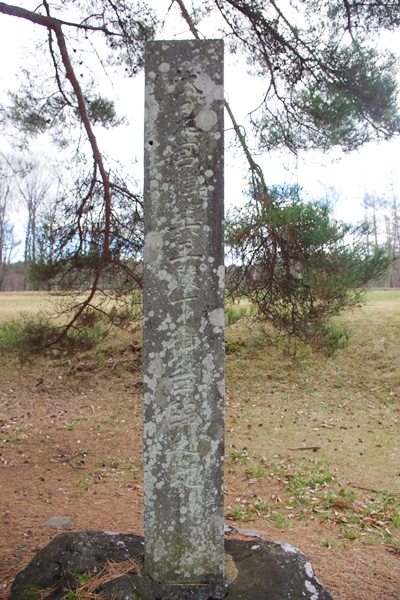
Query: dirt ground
70	445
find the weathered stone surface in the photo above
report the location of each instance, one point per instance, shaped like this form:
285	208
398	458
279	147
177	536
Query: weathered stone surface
57	522
265	571
183	312
71	552
272	571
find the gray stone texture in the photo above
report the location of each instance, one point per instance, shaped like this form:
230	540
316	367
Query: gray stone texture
183	312
265	571
57	522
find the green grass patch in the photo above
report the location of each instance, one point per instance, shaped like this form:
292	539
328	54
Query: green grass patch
280	520
234	313
32	335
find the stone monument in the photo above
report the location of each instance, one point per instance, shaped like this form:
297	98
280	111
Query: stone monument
183	376
183	312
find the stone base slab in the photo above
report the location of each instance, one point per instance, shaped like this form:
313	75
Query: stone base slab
261	570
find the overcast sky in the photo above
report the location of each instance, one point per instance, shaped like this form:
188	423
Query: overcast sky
374	168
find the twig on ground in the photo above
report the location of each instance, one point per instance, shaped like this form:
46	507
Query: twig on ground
68	459
313	448
111	571
392	549
359	487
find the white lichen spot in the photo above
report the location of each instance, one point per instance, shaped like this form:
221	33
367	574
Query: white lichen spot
206	119
156	367
150	430
159	552
217	135
170	89
152	246
209	173
312	589
309	570
152	109
211	90
203	325
288	548
164	67
152	75
154	184
211	259
221	276
221	387
217	317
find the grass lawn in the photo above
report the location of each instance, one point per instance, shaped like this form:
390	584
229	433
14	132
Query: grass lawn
312	446
12	304
345	409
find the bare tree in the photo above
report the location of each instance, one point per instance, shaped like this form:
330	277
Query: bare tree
33	187
373	206
8	243
395	221
381	214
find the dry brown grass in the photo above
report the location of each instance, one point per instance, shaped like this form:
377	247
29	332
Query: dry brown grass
13	304
111	571
347	406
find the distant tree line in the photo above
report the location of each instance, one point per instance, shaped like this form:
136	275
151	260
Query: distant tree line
382	213
295	263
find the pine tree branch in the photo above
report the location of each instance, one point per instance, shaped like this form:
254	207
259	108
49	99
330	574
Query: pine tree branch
255	169
48	21
53	58
99	162
55	25
188	19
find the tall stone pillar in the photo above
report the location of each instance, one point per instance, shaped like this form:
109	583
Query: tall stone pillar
183	312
